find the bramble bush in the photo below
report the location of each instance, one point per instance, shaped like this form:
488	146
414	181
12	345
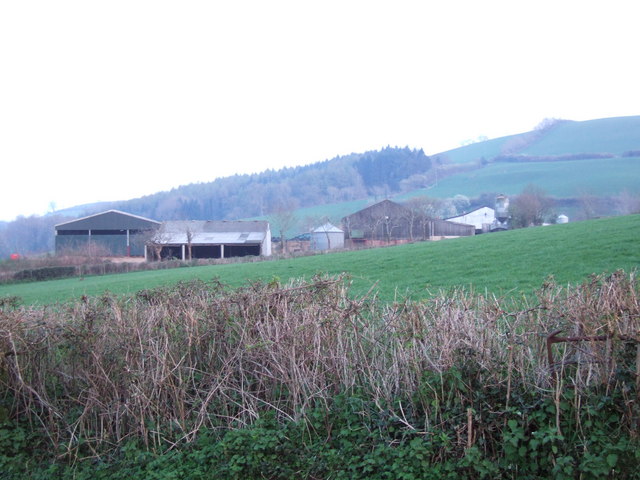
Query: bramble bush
303	381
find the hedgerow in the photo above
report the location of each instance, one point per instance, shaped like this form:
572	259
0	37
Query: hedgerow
302	381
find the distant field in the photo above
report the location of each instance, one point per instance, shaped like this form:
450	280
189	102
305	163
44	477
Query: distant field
471	153
502	263
561	179
605	135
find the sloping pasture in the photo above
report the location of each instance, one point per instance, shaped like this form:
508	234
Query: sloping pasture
512	262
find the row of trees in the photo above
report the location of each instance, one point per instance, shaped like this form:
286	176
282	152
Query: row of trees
534	207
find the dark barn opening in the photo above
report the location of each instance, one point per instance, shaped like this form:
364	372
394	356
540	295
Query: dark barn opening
170	252
205	251
115	233
241	250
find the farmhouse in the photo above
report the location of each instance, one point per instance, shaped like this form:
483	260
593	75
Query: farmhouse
114	232
483	219
189	239
388	221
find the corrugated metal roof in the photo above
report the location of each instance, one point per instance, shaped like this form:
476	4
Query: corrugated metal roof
216	226
328	228
213	232
110	219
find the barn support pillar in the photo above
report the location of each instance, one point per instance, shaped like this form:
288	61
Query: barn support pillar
221	251
183	252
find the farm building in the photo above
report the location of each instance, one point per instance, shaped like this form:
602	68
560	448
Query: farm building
116	233
388	221
327	237
188	239
482	218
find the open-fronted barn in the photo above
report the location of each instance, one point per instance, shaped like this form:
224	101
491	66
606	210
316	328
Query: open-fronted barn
113	232
190	239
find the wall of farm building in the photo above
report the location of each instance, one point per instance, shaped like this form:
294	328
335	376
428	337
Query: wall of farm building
442	228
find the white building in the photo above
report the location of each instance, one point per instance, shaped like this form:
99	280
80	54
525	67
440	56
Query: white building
483	219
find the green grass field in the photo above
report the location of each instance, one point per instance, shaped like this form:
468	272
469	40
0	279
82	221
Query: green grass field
503	263
474	152
605	135
563	179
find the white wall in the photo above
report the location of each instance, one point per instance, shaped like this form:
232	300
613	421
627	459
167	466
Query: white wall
477	218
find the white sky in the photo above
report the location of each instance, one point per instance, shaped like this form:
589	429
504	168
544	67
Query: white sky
111	100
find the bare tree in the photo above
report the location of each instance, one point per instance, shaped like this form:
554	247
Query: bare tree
186	227
628	202
422	210
155	240
588	204
531	207
283	219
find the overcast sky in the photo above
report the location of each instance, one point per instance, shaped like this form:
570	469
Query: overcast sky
113	100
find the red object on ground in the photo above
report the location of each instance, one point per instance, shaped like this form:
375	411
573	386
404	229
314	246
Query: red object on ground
14	256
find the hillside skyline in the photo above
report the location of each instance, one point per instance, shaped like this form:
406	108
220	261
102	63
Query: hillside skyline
454	155
118	100
52	206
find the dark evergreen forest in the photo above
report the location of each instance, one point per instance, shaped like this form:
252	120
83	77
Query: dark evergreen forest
340	179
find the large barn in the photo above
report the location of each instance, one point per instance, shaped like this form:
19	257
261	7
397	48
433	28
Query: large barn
190	239
113	232
388	221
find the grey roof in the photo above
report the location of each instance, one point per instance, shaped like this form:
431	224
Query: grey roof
109	220
212	232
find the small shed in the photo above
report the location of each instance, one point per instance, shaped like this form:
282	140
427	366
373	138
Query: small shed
327	237
116	233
